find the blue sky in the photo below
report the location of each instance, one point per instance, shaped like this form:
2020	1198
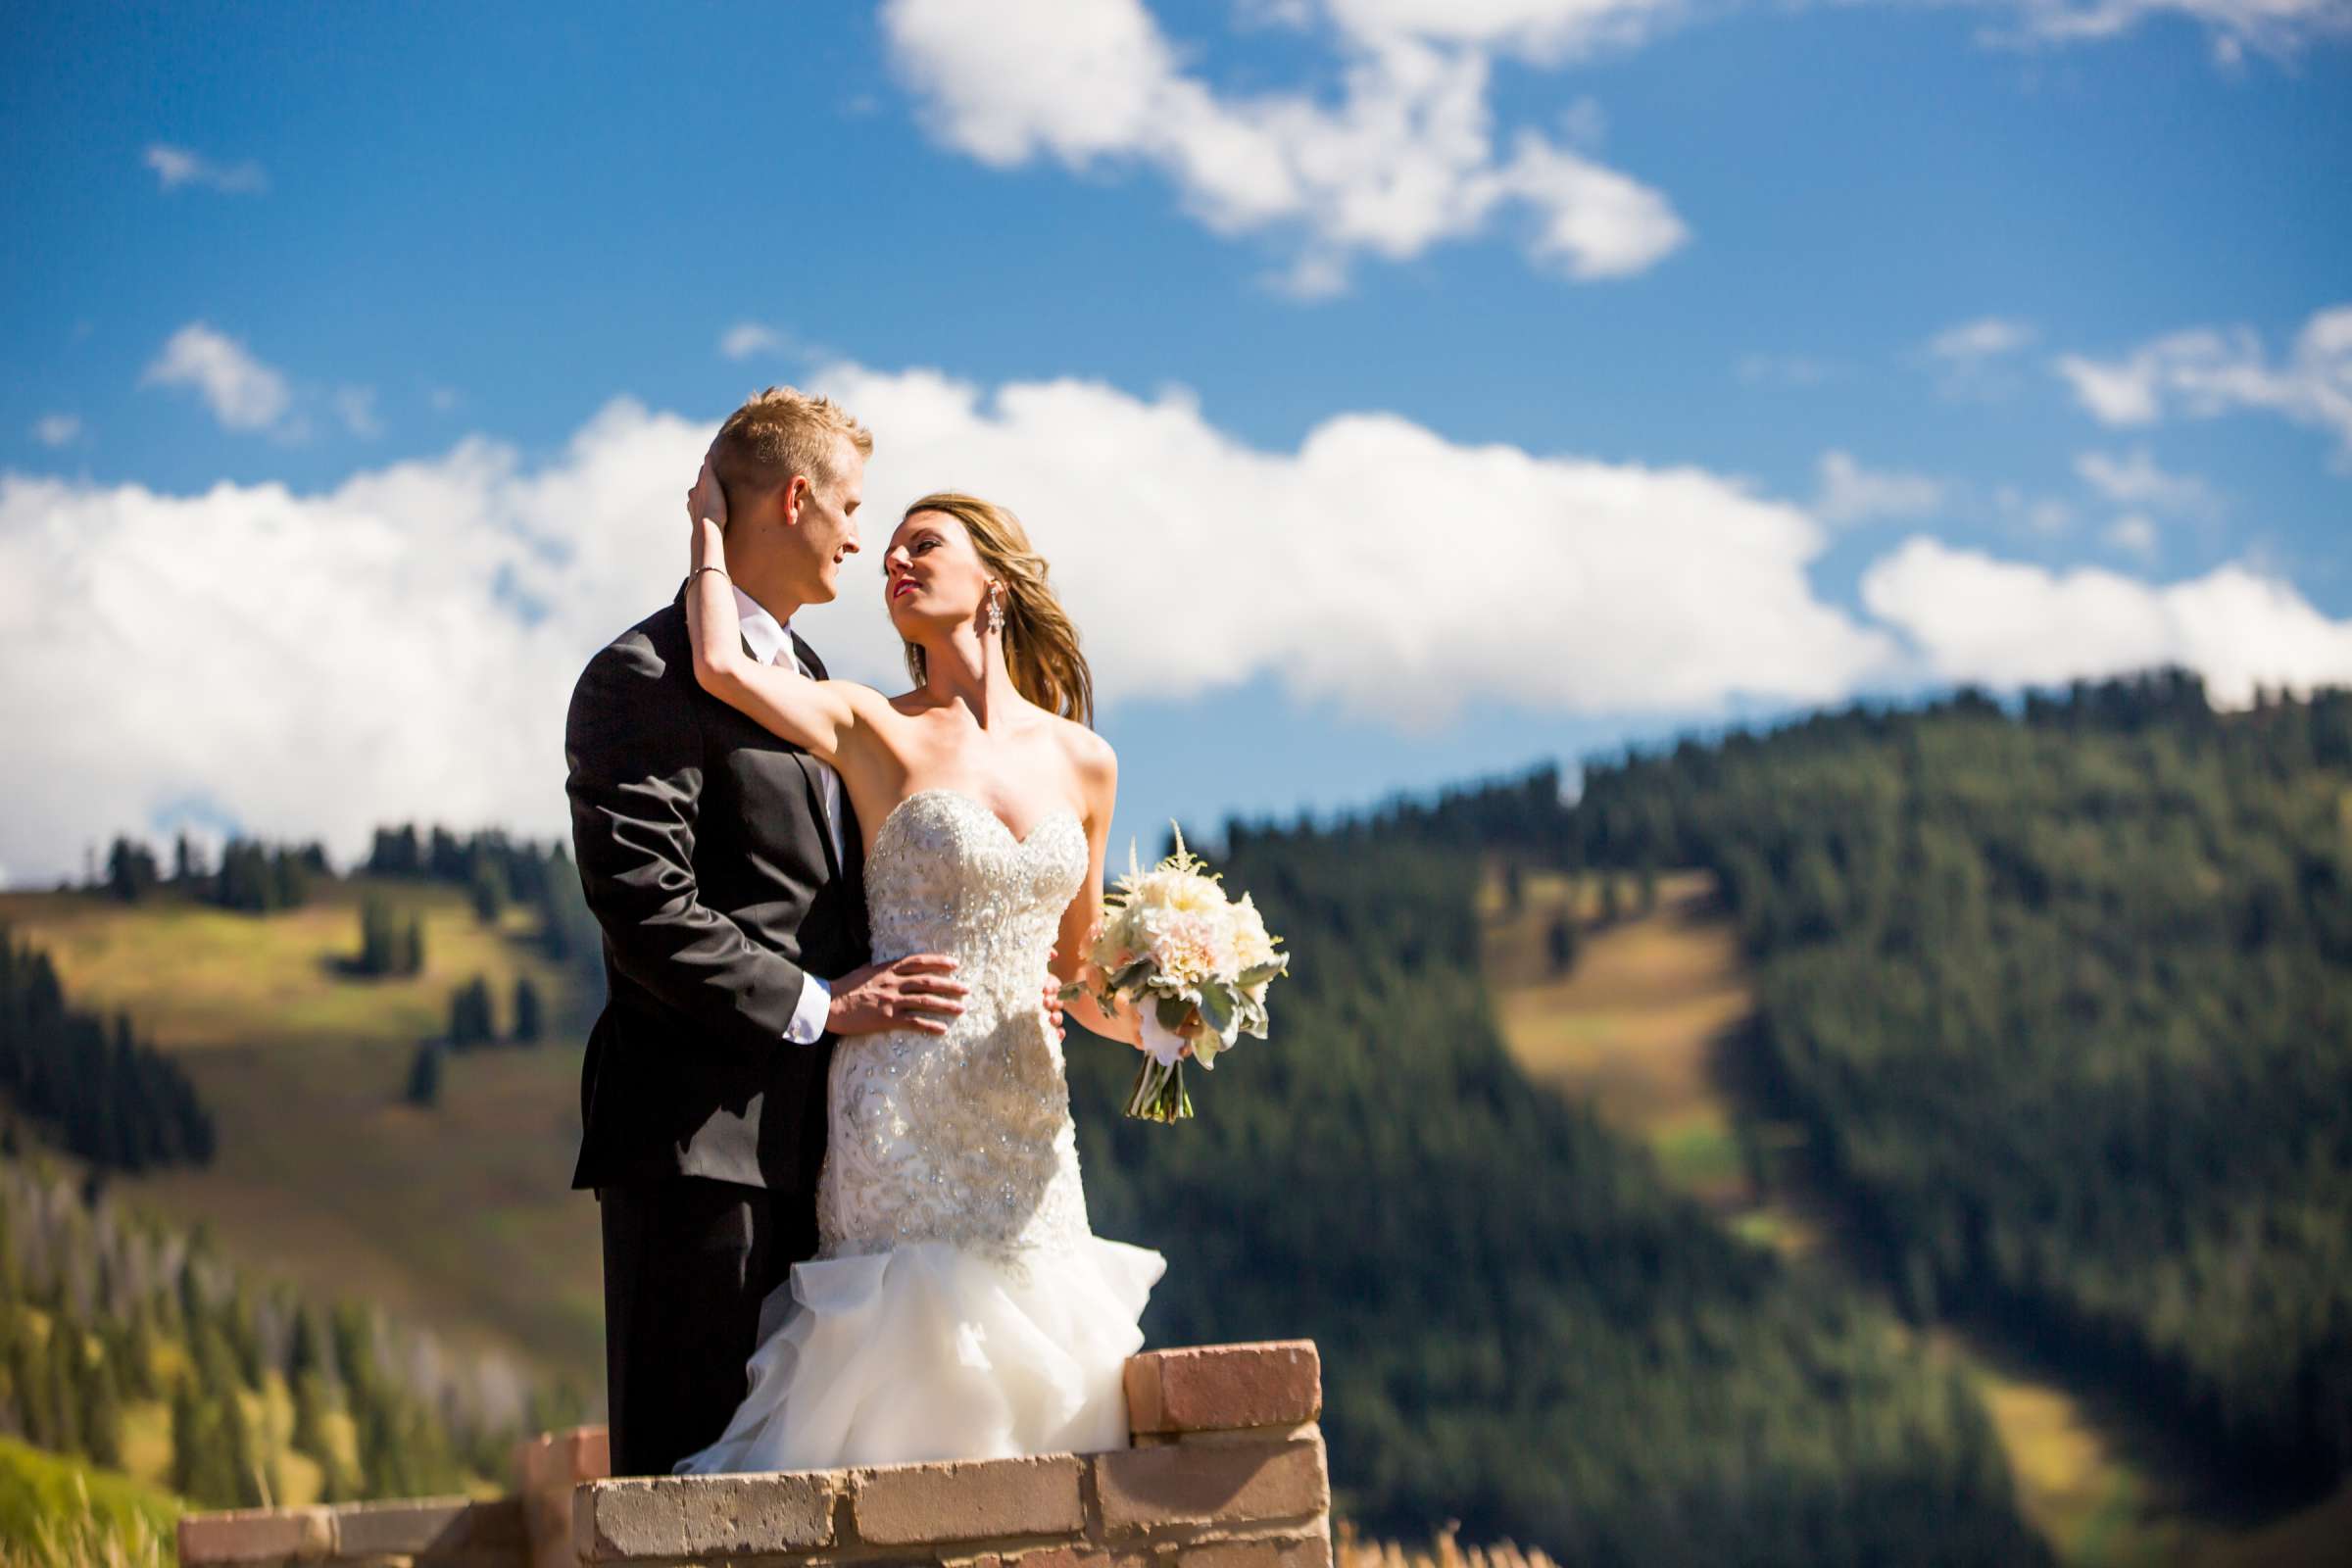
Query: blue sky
1970	297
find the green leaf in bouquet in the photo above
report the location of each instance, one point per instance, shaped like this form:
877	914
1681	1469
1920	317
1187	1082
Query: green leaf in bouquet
1171	1011
1132	976
1218	1006
1258	973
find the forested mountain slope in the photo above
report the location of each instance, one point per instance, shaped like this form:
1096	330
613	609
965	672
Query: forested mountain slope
1522	1327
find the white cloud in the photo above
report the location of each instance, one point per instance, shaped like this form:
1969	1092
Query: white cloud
2046	515
2134	532
57	429
2205	371
2134	479
1405	160
1986	337
313	664
176	167
404	643
1405	154
1550	30
1540	31
243	393
747	338
1577	585
356	407
1851	493
1977	360
1975	618
2277	28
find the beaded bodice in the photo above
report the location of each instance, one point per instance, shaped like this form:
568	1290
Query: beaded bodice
963	1137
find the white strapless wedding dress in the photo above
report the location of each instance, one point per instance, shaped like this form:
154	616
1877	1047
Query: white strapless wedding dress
958	1305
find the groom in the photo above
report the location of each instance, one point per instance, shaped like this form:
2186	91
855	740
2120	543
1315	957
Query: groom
723	864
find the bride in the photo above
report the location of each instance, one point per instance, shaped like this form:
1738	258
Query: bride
958	1307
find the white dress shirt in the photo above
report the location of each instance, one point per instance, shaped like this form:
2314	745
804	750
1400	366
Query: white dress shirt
771	643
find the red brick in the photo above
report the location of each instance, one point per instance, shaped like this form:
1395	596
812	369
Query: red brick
435	1528
974	1499
1278	1478
688	1516
1309	1550
547	1468
1277	1383
256	1535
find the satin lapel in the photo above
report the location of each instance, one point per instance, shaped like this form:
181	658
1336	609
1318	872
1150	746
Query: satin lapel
810	764
816	808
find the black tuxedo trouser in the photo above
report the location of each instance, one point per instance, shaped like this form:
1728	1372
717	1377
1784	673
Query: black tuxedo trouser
687	1262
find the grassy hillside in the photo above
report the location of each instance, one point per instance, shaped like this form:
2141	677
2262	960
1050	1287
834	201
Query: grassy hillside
132	1344
1523	1327
1651	1026
47	1501
457	1218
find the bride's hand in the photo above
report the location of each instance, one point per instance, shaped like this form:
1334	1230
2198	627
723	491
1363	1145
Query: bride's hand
706	498
706	516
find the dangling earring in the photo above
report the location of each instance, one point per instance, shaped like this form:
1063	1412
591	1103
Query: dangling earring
995	613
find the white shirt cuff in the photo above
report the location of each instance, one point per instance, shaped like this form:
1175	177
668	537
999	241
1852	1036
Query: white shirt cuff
810	1016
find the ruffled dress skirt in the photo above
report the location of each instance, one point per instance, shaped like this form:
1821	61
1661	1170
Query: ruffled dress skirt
934	1350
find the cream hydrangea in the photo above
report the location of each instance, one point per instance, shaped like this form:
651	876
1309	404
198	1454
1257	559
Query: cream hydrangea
1195	963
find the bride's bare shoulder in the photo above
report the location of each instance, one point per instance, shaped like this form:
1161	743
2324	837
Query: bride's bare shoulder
1090	759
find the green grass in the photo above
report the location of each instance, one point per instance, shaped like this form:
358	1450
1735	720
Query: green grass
83	1505
460	1218
201	977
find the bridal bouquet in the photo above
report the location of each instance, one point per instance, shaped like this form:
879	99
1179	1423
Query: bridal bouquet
1196	965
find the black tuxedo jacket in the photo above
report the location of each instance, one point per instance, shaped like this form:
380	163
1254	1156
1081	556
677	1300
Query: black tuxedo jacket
702	849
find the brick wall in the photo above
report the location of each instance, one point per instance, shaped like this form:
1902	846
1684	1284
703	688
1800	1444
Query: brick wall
1226	1471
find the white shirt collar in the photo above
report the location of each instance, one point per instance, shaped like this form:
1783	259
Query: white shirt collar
766	634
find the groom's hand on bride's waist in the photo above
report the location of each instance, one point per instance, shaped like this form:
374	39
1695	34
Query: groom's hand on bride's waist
909	993
1052	998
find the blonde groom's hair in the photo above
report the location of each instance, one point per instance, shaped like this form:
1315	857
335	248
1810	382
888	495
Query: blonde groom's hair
778	433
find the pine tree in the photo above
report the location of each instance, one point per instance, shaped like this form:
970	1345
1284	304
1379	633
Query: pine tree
102	1414
310	1351
489	892
242	1460
131	870
1561	942
188	1439
424	1077
241	1326
311	1403
61	1387
138	1361
527	1022
469	1016
412	947
378	939
24	1380
289	880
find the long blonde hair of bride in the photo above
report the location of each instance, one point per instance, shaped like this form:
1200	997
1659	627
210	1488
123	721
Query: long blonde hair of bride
1041	641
